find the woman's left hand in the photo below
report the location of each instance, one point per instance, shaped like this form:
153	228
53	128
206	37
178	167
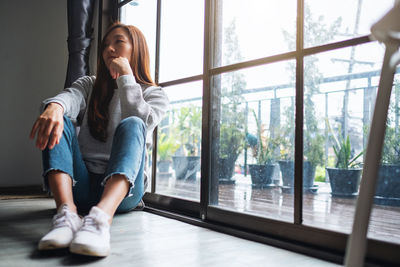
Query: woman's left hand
120	66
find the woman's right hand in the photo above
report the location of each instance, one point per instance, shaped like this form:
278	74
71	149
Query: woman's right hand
49	127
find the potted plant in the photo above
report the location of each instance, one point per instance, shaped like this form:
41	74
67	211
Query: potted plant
313	152
264	152
286	162
232	136
188	127
345	177
231	144
166	147
388	185
313	146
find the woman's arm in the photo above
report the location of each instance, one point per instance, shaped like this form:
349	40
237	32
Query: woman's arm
73	99
49	126
149	105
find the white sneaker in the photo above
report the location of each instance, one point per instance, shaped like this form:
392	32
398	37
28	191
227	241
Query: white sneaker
65	224
93	239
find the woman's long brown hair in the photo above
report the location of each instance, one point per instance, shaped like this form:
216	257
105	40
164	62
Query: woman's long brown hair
103	88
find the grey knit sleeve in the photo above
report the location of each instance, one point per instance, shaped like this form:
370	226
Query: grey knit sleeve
150	104
73	99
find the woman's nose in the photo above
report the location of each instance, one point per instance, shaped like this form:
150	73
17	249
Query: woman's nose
110	49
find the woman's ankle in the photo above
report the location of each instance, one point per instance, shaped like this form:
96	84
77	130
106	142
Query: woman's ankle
71	206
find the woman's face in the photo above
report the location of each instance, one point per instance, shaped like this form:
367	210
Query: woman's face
117	44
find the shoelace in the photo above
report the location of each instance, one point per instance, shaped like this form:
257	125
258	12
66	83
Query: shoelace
91	224
64	218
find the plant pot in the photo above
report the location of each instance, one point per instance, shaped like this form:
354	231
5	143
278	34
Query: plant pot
388	186
261	175
186	167
226	168
287	170
163	168
344	182
163	165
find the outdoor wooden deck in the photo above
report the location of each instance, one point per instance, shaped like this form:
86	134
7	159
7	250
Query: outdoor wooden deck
320	209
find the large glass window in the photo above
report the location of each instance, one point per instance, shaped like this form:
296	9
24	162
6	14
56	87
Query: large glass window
250	136
385	221
330	21
338	105
252	25
178	146
143	15
182	32
256	107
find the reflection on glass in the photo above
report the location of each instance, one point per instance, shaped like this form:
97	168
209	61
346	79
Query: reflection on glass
182	34
257	27
178	144
385	223
329	21
142	15
338	105
254	118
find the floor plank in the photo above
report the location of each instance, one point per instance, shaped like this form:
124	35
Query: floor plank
137	239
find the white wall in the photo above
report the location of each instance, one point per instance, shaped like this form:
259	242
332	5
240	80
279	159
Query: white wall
33	61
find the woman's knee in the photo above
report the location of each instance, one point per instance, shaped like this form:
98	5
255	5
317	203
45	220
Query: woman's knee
69	127
132	122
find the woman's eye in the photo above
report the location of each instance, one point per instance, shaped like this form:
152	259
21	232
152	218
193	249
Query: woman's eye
120	41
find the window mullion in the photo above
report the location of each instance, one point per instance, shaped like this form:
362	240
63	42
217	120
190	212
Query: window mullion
156	80
298	171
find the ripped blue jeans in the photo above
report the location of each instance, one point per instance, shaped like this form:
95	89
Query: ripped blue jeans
127	157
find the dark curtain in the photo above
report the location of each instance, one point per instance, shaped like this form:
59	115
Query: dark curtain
80	16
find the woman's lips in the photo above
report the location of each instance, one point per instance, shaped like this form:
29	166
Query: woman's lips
109	59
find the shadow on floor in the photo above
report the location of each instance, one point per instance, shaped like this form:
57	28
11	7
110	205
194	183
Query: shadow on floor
66	258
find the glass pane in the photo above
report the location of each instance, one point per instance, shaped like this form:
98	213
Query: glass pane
182	31
330	21
179	140
340	90
142	14
385	218
254	29
254	116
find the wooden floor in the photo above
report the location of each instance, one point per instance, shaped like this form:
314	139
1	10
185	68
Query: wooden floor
137	239
320	209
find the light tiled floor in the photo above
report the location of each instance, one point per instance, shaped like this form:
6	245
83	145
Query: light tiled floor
138	239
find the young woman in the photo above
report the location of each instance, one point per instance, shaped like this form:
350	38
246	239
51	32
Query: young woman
103	167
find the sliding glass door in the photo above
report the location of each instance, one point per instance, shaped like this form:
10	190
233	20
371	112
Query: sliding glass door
271	103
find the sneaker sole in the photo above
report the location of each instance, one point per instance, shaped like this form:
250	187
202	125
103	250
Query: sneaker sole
88	251
50	246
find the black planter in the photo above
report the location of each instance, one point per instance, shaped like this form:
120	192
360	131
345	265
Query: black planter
287	170
186	167
344	182
261	175
163	165
226	169
388	185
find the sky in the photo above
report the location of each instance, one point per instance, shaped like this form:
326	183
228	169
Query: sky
259	27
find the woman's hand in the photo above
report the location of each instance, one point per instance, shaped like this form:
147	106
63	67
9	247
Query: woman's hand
119	66
49	127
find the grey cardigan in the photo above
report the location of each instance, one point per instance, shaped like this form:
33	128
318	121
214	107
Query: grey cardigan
130	99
